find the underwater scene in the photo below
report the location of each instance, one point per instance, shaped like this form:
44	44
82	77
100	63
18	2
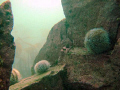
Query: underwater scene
59	44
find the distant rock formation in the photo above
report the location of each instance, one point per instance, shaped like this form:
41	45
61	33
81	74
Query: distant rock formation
7	48
24	57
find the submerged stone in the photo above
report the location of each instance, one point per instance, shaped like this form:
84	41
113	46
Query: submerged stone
7	49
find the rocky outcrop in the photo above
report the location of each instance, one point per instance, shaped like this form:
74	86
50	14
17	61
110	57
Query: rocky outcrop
85	71
6	44
56	39
50	80
81	72
92	72
83	15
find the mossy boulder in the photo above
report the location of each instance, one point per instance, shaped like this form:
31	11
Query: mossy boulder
41	66
15	76
97	41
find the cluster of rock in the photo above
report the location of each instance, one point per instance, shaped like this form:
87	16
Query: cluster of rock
84	70
81	16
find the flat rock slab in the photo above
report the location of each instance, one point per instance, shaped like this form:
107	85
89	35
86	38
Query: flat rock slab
49	80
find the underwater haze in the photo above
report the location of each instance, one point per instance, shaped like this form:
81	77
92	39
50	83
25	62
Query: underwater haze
33	19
